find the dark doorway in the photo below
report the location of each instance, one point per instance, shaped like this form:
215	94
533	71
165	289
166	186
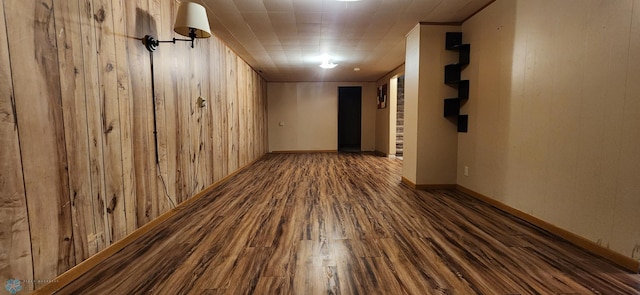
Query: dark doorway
349	118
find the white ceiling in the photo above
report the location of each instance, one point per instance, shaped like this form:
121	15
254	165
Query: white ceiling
284	39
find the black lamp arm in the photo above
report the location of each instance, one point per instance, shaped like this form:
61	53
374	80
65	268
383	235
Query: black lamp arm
152	43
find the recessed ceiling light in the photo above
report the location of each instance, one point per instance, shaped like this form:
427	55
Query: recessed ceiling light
356	69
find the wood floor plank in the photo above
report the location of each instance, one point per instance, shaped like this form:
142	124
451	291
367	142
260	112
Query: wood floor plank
344	224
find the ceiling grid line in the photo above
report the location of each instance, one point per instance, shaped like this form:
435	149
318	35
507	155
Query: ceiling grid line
285	39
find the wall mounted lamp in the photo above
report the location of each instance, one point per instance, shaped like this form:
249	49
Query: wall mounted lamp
191	22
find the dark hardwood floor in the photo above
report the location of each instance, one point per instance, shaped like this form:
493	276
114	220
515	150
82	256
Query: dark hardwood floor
343	224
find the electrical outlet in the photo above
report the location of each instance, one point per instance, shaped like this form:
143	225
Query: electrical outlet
466	170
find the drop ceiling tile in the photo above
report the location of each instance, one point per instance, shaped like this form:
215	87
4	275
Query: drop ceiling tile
334	18
423	8
307	6
394	6
308	17
286	32
281	37
280	18
278	5
249	5
273	47
257	21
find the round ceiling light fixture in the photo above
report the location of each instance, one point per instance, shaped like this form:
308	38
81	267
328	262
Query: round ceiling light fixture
326	63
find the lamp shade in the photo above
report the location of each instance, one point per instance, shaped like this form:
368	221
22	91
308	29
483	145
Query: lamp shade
192	16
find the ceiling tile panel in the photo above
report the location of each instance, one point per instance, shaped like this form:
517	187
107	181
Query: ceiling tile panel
424	8
284	38
249	6
455	10
309	29
307	6
280	18
257	21
308	17
393	6
278	5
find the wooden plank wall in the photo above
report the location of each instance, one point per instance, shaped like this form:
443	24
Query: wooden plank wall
15	244
77	164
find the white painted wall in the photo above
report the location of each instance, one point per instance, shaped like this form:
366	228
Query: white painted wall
554	114
309	114
430	140
411	84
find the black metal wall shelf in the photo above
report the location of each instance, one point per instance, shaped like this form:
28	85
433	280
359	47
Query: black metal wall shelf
452	77
452	74
463	123
453	40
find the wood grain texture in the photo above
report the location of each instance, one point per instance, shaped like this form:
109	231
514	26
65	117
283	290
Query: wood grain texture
37	92
72	82
139	24
101	236
218	105
233	135
79	171
330	223
615	257
103	19
91	71
15	256
125	104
